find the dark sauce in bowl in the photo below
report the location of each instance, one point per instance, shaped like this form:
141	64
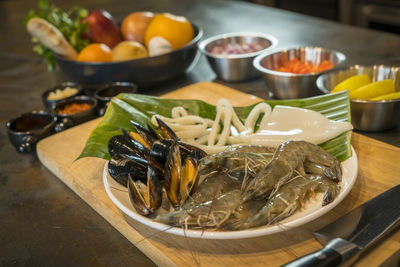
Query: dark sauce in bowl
107	92
30	122
113	89
27	129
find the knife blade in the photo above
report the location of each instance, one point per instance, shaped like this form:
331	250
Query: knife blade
346	237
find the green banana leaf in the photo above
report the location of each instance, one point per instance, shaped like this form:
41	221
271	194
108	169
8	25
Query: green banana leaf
140	108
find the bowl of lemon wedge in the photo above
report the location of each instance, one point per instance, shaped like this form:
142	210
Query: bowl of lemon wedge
374	92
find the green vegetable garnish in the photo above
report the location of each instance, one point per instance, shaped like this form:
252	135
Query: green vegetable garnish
68	23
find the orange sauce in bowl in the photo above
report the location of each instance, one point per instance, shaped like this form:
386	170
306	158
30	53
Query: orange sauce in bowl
298	67
74	108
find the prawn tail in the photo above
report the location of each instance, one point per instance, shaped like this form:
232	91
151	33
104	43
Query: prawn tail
330	194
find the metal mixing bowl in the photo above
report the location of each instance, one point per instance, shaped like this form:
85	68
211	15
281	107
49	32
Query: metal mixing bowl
368	115
286	85
236	67
144	72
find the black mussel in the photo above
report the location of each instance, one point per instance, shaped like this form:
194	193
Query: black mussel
120	166
117	145
125	145
172	174
167	132
190	151
146	196
154	132
146	163
161	148
189	179
140	149
145	136
180	178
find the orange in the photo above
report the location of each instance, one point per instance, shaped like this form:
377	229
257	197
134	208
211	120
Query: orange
175	29
95	53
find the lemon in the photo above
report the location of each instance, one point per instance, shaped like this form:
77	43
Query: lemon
372	90
352	83
388	96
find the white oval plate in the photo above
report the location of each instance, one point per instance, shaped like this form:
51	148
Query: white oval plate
313	210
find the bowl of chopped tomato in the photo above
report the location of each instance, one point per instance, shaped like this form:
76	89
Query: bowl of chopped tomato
292	73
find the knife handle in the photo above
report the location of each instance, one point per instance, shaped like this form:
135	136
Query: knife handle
336	252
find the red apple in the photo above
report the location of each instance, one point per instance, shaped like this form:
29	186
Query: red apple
102	28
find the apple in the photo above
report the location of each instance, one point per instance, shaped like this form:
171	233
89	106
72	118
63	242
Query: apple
102	28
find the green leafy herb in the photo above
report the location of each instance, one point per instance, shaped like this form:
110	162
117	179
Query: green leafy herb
140	108
68	23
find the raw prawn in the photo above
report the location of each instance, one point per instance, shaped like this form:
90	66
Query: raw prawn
285	202
289	160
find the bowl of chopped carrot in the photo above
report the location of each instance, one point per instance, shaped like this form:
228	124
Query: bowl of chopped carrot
291	73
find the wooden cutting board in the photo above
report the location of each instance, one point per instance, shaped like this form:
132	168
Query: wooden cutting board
379	170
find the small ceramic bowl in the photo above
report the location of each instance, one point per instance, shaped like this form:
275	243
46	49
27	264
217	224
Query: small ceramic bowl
27	129
48	103
107	92
68	120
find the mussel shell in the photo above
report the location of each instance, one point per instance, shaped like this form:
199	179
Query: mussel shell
159	151
120	166
193	152
161	148
149	135
189	179
146	196
167	132
125	145
172	174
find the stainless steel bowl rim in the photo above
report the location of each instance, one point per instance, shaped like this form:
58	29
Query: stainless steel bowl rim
321	87
204	43
259	58
192	42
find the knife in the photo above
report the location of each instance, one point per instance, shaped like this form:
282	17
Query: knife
346	237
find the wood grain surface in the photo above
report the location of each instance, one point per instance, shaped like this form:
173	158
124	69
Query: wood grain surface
378	171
